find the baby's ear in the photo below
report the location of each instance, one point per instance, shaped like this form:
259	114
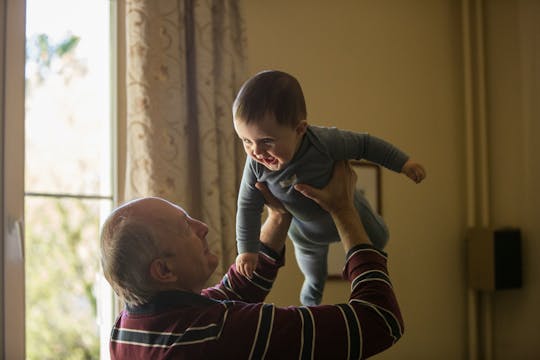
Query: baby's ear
301	127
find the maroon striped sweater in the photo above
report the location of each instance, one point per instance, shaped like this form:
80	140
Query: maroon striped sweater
230	320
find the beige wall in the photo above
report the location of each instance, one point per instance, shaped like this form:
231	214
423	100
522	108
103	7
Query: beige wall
513	75
395	69
392	69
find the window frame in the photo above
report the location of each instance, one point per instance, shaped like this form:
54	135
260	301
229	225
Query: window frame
12	37
12	162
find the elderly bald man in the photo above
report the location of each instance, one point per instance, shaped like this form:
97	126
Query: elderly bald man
156	258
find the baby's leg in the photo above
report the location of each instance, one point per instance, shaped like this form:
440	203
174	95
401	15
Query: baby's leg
312	260
313	264
373	223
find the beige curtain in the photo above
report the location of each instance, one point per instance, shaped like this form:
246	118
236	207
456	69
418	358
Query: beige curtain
184	64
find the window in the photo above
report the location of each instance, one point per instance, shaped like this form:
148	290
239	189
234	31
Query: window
68	176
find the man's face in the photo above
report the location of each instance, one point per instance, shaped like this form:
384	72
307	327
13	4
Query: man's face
269	143
183	241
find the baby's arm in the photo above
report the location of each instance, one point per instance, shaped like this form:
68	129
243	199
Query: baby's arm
350	145
246	263
273	232
414	171
248	222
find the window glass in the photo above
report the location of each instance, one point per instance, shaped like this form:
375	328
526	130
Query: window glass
67	175
67	97
62	264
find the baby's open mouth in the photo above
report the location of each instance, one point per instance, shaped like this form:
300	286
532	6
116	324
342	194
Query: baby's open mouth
269	160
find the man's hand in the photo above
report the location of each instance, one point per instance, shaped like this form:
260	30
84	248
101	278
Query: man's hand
271	202
337	199
339	192
414	171
274	230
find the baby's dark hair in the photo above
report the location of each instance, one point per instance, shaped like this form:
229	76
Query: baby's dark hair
271	92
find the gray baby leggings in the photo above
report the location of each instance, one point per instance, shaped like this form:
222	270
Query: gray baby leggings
311	240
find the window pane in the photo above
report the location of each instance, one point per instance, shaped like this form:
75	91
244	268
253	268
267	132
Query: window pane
67	151
67	102
62	264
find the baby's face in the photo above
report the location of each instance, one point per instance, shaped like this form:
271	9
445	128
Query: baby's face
269	143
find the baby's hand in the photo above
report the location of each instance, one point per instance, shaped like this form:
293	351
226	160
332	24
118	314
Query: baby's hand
246	263
414	171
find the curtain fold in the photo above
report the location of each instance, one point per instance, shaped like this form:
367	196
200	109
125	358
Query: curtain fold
184	63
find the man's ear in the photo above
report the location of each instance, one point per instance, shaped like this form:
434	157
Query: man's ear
160	271
301	127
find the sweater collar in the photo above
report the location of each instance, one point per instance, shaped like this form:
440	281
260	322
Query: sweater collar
173	298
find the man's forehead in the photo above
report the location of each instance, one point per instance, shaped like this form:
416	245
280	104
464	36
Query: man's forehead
176	210
152	206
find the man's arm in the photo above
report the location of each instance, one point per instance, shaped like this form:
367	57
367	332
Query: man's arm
235	286
372	316
275	228
369	323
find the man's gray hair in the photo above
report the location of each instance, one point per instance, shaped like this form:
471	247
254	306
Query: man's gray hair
129	244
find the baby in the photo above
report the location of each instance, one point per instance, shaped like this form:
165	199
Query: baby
270	118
